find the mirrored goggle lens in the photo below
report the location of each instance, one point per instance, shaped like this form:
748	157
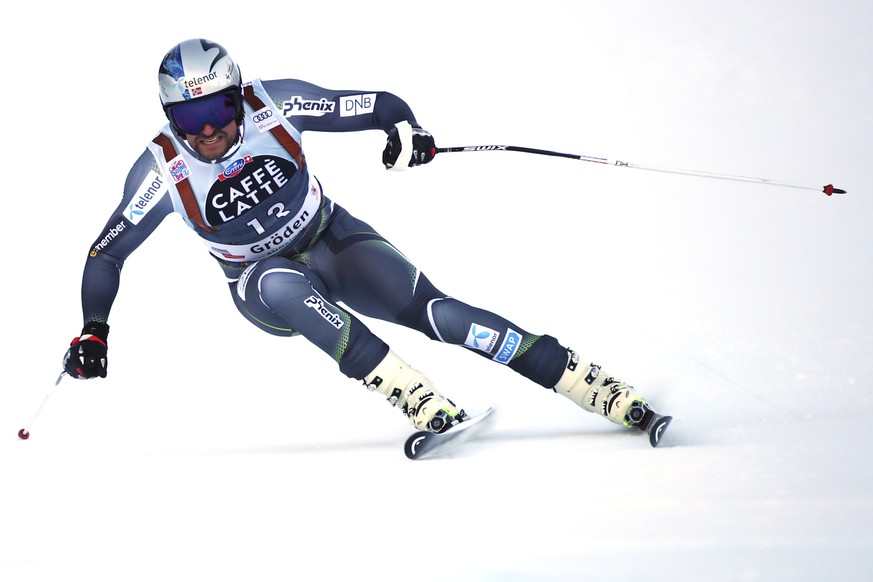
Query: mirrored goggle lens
217	110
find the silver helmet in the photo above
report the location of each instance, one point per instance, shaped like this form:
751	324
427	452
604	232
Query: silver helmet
193	70
196	68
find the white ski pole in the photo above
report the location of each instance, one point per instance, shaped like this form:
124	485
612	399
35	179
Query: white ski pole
827	189
24	433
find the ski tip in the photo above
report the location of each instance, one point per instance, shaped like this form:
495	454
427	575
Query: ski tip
658	428
414	444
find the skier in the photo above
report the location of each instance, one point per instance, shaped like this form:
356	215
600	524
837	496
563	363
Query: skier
230	162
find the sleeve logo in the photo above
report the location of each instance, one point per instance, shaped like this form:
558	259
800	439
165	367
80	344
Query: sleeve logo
150	190
352	105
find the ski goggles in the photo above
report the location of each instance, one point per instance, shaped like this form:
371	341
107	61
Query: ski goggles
217	110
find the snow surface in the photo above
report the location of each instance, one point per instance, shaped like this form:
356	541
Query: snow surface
215	452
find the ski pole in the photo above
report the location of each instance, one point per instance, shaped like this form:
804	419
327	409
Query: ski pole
24	433
827	189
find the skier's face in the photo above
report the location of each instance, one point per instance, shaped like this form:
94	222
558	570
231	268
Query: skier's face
212	142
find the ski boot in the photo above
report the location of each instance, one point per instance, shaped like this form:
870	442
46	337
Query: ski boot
594	391
411	391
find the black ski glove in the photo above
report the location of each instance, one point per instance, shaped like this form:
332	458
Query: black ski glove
86	357
423	148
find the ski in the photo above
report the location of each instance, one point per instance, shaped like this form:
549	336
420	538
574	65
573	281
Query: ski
656	427
422	444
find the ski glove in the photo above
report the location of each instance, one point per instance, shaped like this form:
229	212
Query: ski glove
403	137
86	357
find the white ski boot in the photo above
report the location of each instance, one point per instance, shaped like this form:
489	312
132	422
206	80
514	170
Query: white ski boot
413	392
595	391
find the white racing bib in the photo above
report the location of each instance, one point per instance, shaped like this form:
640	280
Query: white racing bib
277	241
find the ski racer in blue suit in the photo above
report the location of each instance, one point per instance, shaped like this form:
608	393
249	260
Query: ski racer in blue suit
230	162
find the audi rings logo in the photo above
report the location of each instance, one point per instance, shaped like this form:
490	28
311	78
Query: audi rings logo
262	116
264	119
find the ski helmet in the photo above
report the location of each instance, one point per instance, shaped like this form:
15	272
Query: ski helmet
195	69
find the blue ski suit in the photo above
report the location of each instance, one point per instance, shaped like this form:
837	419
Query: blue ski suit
290	254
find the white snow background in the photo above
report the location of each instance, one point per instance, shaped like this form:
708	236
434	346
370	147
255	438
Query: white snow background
215	452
